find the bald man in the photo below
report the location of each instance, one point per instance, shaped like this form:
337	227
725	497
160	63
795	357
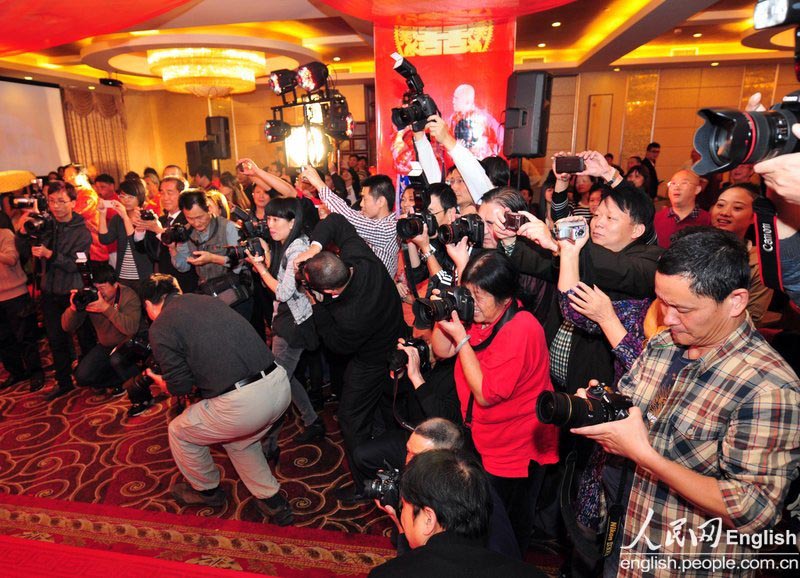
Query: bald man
682	190
474	127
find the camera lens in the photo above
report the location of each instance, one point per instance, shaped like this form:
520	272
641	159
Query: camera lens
410	227
401	117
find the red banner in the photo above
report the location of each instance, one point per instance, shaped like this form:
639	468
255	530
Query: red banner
465	70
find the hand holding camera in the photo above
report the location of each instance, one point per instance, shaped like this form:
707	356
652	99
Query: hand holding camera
440	131
537	231
311	175
246	167
571	234
41	252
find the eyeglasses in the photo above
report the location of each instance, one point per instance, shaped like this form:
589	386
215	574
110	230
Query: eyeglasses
680	184
451	182
434	213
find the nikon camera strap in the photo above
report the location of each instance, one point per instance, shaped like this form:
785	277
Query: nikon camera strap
769	259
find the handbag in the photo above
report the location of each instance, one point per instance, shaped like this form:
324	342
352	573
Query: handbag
228	288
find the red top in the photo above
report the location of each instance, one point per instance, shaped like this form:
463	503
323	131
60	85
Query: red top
667	224
516	369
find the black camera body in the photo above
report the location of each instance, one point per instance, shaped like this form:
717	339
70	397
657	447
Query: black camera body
88	294
385	488
40	227
148	215
416	109
429	311
417	106
236	253
177	233
469	226
729	138
399	358
255	228
412	225
567	411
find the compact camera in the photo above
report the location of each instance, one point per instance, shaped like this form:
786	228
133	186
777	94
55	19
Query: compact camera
567	411
514	221
572	230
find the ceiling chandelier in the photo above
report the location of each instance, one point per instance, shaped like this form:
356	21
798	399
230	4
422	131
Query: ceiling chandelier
207	72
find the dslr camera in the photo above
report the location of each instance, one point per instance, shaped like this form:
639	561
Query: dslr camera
39	227
567	411
177	233
417	106
399	358
236	253
88	294
412	225
729	137
571	230
148	215
429	311
385	488
469	226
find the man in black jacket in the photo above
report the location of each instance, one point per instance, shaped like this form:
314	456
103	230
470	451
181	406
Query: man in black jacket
199	342
445	507
171	189
358	314
57	249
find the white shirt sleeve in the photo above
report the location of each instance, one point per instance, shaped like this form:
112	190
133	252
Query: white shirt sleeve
426	157
471	171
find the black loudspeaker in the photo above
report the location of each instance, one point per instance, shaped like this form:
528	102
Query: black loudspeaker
199	153
218	131
527	114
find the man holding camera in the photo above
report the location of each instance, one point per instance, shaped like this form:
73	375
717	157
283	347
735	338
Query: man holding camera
426	253
444	509
115	312
56	240
714	431
357	314
157	247
244	392
206	251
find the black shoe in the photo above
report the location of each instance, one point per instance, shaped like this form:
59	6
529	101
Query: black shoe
347	496
316	431
138	408
11	380
116	391
186	495
273	457
37	382
58	391
277	509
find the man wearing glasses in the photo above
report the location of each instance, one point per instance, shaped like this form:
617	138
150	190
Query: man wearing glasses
56	245
682	189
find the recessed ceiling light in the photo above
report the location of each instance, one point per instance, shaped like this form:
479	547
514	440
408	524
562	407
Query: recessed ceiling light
556	24
28	77
715	64
336	58
697	35
541	45
92	87
616	70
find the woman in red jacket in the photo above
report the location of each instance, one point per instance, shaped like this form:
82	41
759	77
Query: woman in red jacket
498	385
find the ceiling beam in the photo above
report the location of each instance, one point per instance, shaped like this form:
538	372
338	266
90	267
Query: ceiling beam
658	17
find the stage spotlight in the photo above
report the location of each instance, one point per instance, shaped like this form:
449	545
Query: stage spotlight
339	120
312	76
306	147
276	130
282	81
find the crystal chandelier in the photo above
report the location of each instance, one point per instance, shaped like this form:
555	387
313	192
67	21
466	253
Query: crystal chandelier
207	72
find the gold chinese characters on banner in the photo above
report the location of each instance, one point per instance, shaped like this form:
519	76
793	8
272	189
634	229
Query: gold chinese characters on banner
434	41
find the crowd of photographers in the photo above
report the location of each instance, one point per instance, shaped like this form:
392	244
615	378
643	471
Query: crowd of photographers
508	369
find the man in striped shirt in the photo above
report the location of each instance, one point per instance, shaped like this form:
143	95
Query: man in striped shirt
714	431
375	223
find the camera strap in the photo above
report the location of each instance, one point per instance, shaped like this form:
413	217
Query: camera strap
507	316
769	262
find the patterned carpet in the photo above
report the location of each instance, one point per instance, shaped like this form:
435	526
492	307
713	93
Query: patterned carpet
83	448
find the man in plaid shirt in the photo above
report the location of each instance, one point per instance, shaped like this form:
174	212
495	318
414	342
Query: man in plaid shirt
714	432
